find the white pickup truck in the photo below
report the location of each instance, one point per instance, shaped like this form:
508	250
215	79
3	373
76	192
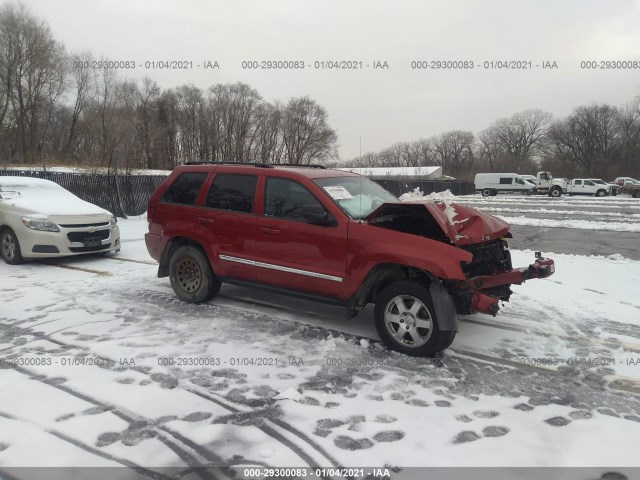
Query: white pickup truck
584	186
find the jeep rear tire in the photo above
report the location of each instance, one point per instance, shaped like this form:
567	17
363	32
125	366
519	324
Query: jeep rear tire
406	321
10	247
192	278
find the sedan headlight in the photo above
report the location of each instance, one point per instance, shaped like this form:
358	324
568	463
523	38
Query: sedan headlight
113	221
42	225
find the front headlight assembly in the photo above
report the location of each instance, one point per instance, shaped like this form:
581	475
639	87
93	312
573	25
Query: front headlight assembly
113	221
41	225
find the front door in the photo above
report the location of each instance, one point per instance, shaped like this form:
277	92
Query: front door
291	252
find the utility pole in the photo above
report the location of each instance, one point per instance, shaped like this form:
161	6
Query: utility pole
361	145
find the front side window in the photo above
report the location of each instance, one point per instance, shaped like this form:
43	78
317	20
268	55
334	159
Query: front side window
232	192
185	188
285	198
520	181
356	196
587	182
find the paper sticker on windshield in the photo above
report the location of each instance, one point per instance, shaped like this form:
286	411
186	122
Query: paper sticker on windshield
338	192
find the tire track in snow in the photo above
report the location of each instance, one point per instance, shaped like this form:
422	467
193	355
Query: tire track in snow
88	448
316	457
131	418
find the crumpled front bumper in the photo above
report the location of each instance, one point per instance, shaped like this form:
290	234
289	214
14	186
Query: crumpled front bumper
482	302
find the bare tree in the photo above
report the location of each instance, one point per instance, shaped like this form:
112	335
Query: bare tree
522	135
588	138
32	78
235	108
306	132
82	85
454	151
629	119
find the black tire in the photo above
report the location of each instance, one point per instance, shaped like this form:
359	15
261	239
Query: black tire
601	193
636	194
494	193
487	192
390	318
191	275
10	247
555	192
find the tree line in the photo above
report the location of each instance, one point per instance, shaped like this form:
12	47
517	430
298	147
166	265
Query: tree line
56	108
598	140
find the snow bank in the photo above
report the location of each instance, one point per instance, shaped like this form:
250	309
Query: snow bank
580	224
417	195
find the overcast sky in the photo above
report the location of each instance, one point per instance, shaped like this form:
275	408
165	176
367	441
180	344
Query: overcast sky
379	106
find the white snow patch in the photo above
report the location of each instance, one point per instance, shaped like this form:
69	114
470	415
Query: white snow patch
289	394
416	195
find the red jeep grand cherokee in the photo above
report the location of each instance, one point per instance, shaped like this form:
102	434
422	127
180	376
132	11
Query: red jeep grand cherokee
337	237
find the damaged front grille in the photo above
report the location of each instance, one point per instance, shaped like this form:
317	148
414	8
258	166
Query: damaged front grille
488	258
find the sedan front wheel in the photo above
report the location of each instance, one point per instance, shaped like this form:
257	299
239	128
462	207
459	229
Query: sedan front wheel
10	247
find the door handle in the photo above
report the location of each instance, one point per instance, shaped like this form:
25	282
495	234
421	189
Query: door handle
205	220
270	231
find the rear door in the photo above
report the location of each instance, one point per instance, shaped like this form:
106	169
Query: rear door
293	253
578	188
228	215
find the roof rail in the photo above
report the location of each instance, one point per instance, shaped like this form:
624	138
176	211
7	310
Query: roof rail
310	165
257	164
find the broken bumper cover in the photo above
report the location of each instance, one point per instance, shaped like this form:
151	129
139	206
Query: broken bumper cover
485	303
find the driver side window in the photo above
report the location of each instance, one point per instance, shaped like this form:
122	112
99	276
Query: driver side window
285	198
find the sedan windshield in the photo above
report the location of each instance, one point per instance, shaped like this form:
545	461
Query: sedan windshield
356	196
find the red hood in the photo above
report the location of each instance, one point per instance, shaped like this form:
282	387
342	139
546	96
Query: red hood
462	225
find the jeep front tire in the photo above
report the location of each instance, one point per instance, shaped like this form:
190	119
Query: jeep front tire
406	320
192	278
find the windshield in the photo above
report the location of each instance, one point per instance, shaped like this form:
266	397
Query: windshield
356	196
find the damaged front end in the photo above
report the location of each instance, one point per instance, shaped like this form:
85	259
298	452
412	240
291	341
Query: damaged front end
490	274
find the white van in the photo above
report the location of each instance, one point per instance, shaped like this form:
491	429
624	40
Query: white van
492	183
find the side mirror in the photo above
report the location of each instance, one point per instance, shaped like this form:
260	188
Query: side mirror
317	215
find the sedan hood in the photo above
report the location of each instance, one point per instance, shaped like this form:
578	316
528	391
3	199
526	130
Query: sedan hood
55	205
461	225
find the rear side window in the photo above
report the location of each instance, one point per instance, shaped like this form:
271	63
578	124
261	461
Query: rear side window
505	180
185	188
232	192
578	182
285	198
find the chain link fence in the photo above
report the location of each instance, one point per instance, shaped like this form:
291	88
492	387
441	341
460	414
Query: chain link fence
398	187
122	195
125	195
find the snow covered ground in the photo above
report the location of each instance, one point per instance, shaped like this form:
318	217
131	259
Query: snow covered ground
101	365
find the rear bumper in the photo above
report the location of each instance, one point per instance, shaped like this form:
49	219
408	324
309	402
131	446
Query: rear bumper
154	246
483	302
